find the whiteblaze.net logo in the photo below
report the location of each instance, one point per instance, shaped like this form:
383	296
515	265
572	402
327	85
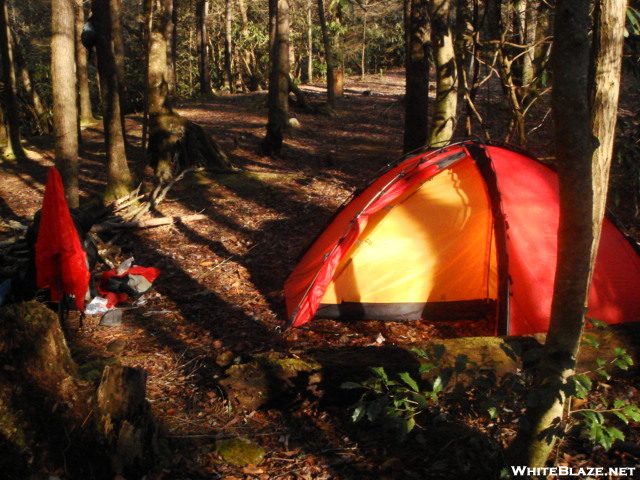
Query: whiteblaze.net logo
584	472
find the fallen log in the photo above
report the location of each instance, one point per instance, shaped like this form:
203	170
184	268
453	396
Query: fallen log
269	380
153	222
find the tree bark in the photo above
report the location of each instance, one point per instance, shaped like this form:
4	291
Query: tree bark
202	41
125	421
82	72
444	111
528	59
175	143
172	39
584	102
41	114
278	99
328	55
119	179
309	42
12	111
228	39
65	113
118	56
416	120
604	89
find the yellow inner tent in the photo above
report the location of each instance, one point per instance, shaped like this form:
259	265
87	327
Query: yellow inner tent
434	244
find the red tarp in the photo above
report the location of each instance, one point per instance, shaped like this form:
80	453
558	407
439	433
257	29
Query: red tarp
61	264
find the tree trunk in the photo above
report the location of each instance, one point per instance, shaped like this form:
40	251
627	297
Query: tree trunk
328	55
444	111
118	56
82	72
583	148
171	35
175	143
528	59
65	112
604	89
119	180
42	117
363	51
416	120
278	98
228	39
202	40
11	108
309	42
125	421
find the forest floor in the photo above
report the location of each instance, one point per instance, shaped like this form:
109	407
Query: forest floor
219	296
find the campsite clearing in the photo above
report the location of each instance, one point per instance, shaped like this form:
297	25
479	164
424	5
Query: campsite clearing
219	299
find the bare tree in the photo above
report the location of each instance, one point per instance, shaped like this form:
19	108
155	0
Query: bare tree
175	143
228	41
82	72
11	109
584	104
202	41
119	179
41	114
416	120
65	113
328	55
278	99
444	111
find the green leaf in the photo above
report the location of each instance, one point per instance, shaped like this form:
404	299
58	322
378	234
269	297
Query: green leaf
582	385
379	371
437	385
358	413
494	412
591	341
427	367
617	403
406	378
621	416
633	412
410	423
615	433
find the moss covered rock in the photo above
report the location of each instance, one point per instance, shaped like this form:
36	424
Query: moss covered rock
240	452
270	378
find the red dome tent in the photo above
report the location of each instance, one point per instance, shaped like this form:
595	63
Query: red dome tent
463	231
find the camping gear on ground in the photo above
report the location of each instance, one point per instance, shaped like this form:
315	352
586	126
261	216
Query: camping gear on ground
459	232
60	260
121	284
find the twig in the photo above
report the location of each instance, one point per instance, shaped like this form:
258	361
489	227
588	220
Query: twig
153	222
226	260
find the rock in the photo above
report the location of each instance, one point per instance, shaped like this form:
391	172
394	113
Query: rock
240	452
112	318
270	377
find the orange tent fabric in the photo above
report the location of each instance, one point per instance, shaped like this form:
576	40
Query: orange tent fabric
61	263
458	231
